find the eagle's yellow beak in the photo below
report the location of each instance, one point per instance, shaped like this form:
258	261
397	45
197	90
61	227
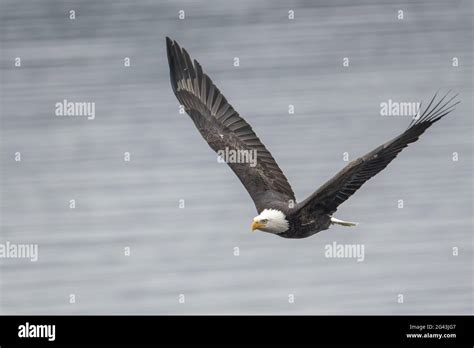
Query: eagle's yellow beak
256	225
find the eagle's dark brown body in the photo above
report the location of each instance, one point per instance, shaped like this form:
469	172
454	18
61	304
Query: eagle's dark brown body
302	226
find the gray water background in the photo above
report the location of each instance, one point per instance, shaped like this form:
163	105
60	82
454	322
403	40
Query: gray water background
190	251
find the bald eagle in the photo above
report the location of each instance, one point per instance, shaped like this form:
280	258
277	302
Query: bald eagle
224	129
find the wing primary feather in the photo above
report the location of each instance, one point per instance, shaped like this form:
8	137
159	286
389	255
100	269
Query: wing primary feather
213	115
338	189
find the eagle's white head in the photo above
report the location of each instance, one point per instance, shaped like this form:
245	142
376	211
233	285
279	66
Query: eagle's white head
270	220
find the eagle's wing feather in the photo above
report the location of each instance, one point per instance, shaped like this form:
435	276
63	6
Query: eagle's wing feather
223	128
345	183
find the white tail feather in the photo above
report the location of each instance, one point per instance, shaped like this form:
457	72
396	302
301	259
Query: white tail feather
343	223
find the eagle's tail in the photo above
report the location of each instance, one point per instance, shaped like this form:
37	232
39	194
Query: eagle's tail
343	223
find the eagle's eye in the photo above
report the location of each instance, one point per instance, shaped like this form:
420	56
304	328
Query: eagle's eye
264	221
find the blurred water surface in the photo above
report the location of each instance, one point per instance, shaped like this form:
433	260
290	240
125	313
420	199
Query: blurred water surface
190	251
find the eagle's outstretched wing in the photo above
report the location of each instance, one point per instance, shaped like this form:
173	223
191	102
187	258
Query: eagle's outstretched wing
224	130
345	183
